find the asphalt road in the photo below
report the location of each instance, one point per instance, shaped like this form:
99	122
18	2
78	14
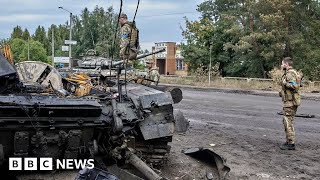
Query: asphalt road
247	131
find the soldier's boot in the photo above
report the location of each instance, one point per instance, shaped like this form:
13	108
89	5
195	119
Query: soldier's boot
291	147
286	146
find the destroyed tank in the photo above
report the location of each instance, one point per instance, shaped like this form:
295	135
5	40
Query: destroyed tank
127	123
99	66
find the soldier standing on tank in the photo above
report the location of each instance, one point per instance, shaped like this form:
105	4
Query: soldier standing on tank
290	94
129	40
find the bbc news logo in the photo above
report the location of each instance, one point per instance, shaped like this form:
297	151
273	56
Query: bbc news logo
47	164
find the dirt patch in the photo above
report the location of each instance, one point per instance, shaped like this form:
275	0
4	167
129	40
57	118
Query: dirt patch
248	158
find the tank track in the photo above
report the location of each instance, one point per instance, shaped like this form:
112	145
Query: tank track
154	152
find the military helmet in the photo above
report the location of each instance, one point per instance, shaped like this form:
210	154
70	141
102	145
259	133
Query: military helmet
149	62
123	15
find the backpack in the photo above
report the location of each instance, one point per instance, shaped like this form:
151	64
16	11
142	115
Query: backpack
134	39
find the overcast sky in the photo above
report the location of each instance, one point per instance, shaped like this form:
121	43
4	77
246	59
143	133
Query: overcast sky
157	20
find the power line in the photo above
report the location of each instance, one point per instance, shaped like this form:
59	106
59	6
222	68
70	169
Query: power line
155	15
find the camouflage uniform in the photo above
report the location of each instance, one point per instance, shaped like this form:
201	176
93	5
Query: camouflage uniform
154	74
291	100
128	41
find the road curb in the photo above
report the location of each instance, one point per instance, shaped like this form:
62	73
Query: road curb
308	96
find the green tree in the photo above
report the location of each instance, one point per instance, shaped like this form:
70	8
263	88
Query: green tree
61	33
249	38
20	48
263	42
95	30
91	29
138	65
26	35
17	48
41	36
36	50
204	33
17	32
57	40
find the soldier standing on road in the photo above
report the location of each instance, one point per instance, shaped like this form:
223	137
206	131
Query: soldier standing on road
291	100
129	42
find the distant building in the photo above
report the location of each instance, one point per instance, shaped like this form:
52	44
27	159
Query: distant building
170	62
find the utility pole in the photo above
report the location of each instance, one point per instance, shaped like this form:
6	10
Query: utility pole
52	44
70	35
70	38
28	49
210	66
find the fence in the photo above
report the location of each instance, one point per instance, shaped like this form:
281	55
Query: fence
236	82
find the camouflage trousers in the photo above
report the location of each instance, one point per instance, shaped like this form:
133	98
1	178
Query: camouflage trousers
288	119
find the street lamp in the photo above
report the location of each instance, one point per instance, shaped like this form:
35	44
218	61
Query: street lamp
70	35
210	65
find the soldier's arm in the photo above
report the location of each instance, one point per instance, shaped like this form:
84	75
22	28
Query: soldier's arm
291	81
125	38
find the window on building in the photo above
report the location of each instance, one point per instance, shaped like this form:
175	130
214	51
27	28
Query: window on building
180	64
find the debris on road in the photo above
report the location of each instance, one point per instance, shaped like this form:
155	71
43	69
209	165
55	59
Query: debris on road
263	175
95	174
211	158
300	115
210	176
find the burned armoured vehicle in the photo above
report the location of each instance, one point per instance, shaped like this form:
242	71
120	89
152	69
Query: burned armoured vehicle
39	118
101	68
